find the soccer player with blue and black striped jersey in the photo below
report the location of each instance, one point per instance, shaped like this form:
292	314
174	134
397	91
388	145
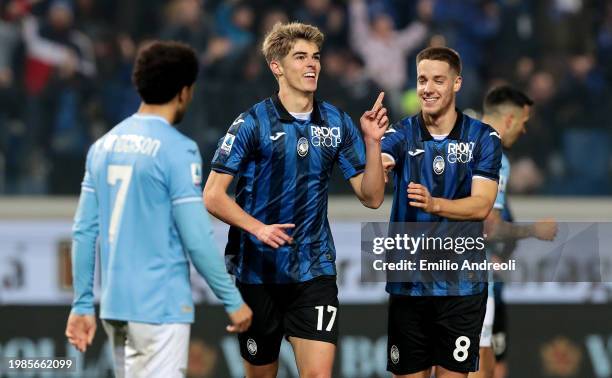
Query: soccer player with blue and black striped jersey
445	168
507	110
141	197
280	248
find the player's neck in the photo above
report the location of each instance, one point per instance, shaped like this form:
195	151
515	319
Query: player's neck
296	101
441	124
165	111
494	123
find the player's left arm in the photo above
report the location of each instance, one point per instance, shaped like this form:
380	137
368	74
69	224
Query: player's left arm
475	207
485	171
497	229
369	186
84	235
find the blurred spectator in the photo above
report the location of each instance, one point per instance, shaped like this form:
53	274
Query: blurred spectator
384	49
516	29
361	90
583	93
59	64
563	25
186	21
11	130
65	73
92	16
116	98
140	19
469	27
604	41
270	18
582	98
333	64
533	154
235	21
328	17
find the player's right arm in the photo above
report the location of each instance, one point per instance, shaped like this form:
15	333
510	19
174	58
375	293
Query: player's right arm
498	229
234	150
81	325
222	206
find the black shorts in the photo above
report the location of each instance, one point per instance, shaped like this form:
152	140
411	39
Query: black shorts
307	310
434	330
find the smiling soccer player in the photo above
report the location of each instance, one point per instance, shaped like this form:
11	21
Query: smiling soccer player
280	247
446	167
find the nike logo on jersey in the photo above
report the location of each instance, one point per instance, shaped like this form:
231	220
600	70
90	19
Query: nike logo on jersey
416	152
495	133
192	151
277	135
238	121
390	131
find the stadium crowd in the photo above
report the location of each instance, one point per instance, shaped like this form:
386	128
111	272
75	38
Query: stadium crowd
65	74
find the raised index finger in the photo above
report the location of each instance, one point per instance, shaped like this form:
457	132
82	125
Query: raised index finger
378	102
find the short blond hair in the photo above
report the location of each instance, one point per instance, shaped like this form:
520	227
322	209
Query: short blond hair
281	39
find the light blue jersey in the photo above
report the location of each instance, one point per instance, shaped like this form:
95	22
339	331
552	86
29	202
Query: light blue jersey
500	204
504	176
143	175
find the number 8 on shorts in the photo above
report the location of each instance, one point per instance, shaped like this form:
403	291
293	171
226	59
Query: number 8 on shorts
462	345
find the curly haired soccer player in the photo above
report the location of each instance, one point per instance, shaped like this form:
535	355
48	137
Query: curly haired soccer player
141	195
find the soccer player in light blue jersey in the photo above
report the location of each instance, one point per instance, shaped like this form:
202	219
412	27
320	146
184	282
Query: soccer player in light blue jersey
507	110
141	197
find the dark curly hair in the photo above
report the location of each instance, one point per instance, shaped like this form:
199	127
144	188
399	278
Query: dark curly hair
505	95
163	69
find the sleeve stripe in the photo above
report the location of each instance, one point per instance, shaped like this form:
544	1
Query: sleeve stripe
389	156
356	173
186	200
491	176
88	189
483	178
223	169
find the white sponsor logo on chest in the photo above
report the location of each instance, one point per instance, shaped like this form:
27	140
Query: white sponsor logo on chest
322	136
460	152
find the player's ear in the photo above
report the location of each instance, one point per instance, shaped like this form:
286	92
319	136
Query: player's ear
508	119
183	95
457	83
276	68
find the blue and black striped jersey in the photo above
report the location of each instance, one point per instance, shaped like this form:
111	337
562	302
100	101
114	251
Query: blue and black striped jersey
283	166
446	167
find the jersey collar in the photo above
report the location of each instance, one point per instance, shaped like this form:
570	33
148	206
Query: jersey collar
285	116
151	117
454	134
